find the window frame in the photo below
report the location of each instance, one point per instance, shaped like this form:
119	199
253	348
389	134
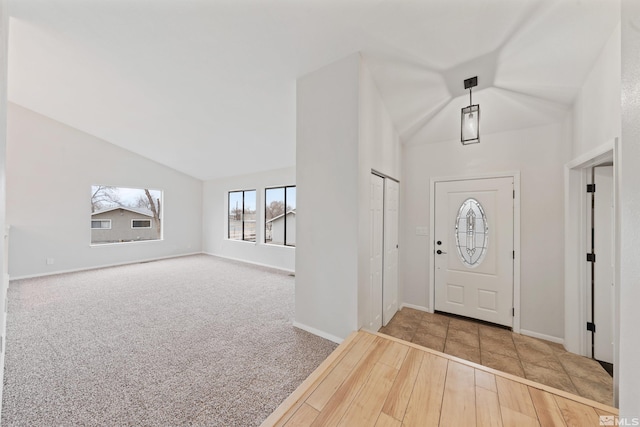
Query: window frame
142	219
101	220
284	187
242	220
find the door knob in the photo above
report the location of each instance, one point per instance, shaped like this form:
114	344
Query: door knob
439	252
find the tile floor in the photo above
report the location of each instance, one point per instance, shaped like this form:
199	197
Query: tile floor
538	360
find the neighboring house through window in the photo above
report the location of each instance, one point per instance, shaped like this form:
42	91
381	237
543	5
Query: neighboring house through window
120	214
241	223
280	216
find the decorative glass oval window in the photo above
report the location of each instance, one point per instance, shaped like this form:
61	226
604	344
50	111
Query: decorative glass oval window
472	233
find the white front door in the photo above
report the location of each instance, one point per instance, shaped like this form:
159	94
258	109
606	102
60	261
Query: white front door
473	242
603	267
390	277
376	252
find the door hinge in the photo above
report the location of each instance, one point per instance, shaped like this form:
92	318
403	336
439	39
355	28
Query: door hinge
591	326
591	188
513	312
514	254
514	194
591	257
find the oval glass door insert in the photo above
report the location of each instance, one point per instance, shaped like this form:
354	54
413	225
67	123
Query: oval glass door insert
472	233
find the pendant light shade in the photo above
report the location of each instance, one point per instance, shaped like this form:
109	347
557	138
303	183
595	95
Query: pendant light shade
470	125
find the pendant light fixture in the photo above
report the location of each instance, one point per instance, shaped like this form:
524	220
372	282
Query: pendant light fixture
470	132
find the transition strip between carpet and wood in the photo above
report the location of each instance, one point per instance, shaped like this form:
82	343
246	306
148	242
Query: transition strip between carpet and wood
377	380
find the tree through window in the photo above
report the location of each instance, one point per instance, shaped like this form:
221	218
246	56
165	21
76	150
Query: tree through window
121	214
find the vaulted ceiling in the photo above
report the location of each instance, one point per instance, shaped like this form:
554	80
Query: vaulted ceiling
208	87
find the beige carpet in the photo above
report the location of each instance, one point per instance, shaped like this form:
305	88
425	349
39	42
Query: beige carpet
187	341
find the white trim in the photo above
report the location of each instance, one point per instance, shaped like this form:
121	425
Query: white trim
507	174
415	307
75	270
516	237
617	161
318	332
241	241
101	220
129	242
593	157
142	219
542	336
259	264
576	288
278	245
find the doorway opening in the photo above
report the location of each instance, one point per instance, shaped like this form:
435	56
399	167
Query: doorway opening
591	236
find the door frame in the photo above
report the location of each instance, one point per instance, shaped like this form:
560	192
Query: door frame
388	243
431	288
577	270
592	268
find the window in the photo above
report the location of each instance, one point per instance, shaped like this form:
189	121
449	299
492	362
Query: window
471	233
242	215
121	214
140	223
280	216
102	223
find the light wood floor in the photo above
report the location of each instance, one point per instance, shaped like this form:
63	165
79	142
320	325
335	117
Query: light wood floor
376	380
497	348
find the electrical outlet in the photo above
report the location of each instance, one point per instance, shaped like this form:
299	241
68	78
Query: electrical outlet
49	261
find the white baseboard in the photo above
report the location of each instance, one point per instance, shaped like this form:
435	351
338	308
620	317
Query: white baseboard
75	270
542	336
318	332
251	262
415	307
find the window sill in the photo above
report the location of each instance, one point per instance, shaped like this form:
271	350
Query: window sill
276	245
241	241
98	245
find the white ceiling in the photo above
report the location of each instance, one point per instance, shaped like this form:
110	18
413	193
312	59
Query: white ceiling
208	87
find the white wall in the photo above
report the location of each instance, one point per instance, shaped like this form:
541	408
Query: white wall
596	112
50	170
629	270
596	124
379	149
539	155
327	176
344	131
215	201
